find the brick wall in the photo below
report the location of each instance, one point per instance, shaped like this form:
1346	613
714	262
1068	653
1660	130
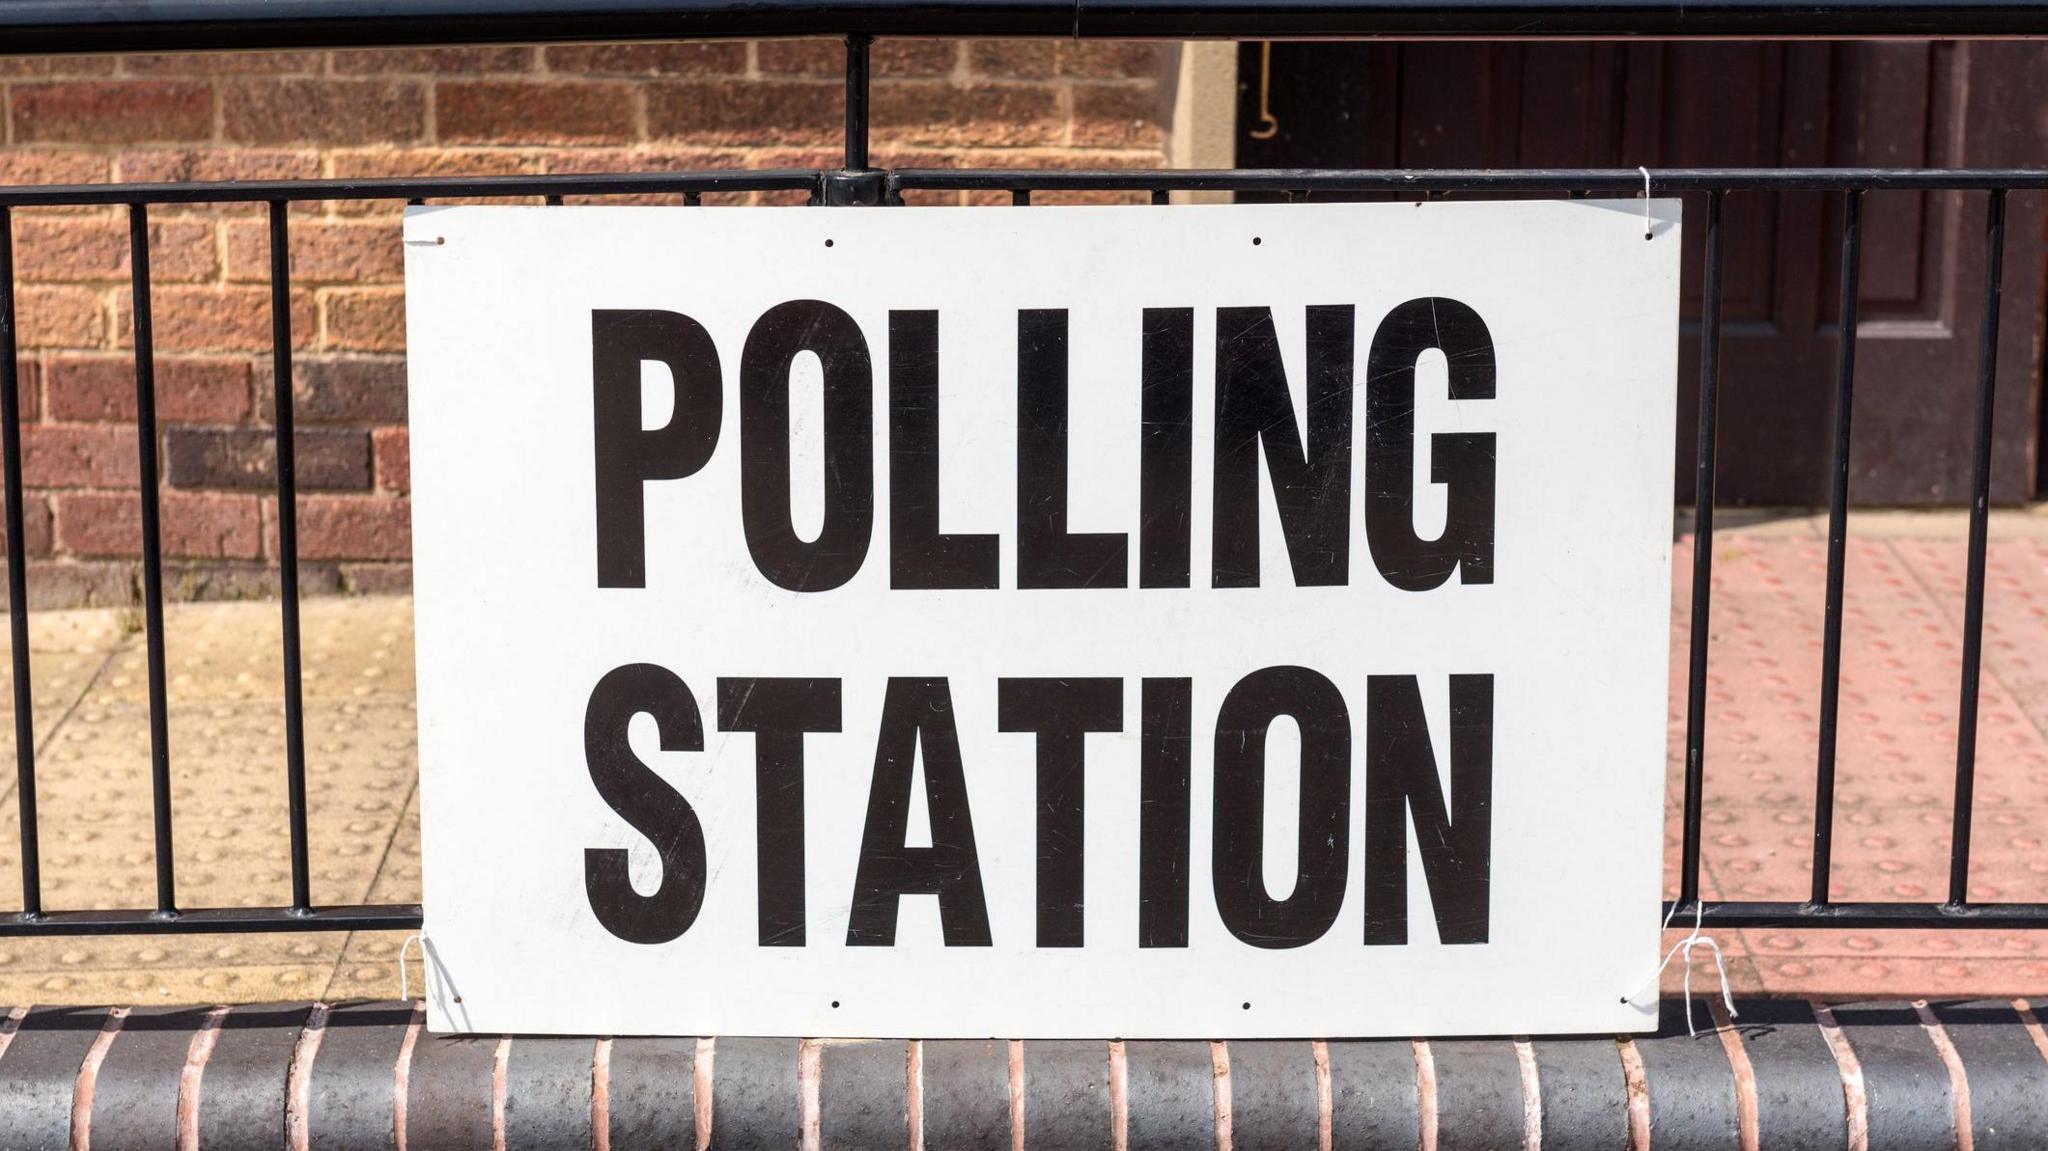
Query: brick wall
473	111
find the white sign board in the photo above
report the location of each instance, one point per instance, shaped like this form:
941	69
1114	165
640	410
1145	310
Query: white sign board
1141	621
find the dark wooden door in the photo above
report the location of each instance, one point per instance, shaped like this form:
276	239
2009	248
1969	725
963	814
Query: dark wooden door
1610	105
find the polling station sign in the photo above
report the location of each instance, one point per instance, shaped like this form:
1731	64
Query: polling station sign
1196	621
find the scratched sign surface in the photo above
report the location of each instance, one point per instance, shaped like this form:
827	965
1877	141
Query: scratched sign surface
1142	621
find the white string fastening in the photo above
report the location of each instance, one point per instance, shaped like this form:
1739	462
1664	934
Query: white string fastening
1646	201
404	976
1684	947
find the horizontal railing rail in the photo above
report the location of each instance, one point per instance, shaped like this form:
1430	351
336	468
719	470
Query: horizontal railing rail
686	184
691	185
60	26
1620	181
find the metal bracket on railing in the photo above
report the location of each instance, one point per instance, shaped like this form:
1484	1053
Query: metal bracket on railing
856	182
848	186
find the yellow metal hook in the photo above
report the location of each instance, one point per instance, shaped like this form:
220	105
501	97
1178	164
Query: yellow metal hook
1269	127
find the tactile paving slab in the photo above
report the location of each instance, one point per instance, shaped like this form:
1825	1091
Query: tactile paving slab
224	671
1896	748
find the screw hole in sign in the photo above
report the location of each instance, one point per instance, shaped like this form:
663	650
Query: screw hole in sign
828	243
1257	240
1247	1007
835	1003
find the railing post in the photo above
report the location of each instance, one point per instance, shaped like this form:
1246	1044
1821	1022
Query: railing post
1838	543
1980	526
855	183
857	53
1702	566
17	585
146	431
288	548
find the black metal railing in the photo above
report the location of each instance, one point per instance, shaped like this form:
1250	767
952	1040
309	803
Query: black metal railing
44	26
857	183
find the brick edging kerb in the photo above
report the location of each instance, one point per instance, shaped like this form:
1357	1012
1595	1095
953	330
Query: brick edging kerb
1947	1076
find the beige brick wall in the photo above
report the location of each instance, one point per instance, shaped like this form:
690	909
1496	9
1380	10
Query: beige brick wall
414	112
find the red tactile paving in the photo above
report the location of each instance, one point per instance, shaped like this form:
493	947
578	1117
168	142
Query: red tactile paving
1901	680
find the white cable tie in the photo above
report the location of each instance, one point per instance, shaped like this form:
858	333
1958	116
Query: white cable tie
1684	947
404	977
1646	201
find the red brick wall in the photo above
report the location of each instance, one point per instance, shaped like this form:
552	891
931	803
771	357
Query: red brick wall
401	113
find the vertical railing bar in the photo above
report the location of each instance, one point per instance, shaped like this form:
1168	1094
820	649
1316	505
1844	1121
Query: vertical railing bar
692	199
1020	197
552	201
1161	196
857	46
1838	542
1973	586
1702	559
17	584
288	550
152	556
